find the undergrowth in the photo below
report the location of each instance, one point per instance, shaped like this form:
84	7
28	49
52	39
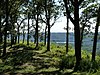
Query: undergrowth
31	60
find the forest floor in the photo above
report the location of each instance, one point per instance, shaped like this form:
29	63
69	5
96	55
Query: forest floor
26	60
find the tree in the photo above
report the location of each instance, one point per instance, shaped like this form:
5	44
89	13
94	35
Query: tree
35	9
74	8
89	12
45	35
5	29
12	11
75	22
67	34
0	30
28	30
77	33
0	25
95	36
2	16
20	21
24	33
67	29
51	15
48	24
37	13
37	30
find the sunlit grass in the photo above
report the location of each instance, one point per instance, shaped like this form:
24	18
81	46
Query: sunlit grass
23	58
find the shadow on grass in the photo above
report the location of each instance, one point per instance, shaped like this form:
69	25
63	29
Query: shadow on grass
23	60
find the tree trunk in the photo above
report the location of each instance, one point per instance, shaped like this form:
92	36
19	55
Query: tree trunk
95	36
48	14
67	35
5	42
75	21
48	39
77	34
0	31
5	29
15	39
37	30
45	36
35	37
0	27
82	33
23	36
28	31
11	40
18	34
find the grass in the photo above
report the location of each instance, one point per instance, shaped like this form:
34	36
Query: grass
24	59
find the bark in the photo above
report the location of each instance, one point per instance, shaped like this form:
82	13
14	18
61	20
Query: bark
45	36
0	27
75	21
35	37
68	11
67	35
95	36
23	36
12	35
11	40
77	34
18	34
5	42
15	39
1	40
82	33
48	14
28	31
37	30
48	39
46	21
5	29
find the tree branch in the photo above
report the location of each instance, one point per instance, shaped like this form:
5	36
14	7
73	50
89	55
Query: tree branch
54	22
72	2
42	20
80	1
22	21
68	13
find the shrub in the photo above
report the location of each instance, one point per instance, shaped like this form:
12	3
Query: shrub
67	62
88	66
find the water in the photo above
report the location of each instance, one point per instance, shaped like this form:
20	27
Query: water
87	43
60	38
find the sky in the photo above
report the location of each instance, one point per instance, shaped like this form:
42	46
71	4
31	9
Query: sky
60	24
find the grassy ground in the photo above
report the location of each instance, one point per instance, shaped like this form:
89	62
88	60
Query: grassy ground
26	60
